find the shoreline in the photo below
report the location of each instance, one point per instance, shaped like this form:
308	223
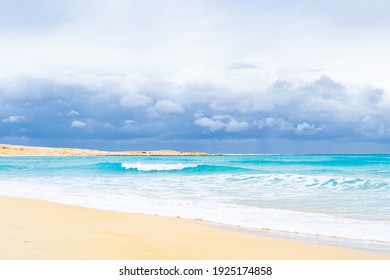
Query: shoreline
20	150
35	229
23	150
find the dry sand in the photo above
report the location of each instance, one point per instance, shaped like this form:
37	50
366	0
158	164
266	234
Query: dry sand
32	229
17	150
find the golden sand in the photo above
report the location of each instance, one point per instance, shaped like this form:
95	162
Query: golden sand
17	150
32	229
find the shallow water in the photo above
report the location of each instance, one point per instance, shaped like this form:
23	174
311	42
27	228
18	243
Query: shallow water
345	198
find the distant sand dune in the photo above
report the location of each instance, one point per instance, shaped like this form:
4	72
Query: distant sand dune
16	150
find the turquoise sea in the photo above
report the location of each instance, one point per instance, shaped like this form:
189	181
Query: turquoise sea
337	199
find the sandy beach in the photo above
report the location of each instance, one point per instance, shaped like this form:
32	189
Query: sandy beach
33	229
20	150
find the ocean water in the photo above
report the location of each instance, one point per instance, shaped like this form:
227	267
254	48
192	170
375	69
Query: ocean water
336	199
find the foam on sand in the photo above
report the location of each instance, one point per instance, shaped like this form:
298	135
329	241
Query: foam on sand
44	230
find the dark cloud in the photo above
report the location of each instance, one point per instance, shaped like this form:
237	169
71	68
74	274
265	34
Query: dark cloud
323	110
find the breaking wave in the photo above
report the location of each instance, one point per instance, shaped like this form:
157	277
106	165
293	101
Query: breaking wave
157	166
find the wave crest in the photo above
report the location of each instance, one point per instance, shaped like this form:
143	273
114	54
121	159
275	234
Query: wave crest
157	166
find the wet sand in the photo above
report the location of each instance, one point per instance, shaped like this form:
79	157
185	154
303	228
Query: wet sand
33	229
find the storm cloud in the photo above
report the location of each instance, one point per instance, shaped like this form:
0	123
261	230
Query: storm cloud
210	75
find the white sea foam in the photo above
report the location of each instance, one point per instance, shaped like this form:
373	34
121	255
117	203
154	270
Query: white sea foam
306	200
305	225
157	166
152	198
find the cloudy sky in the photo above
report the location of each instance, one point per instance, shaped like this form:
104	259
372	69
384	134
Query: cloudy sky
250	76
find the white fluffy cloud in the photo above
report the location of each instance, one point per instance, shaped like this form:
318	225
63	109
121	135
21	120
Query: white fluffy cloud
305	128
274	123
168	106
165	106
14	119
222	122
78	124
235	126
211	124
73	113
135	100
